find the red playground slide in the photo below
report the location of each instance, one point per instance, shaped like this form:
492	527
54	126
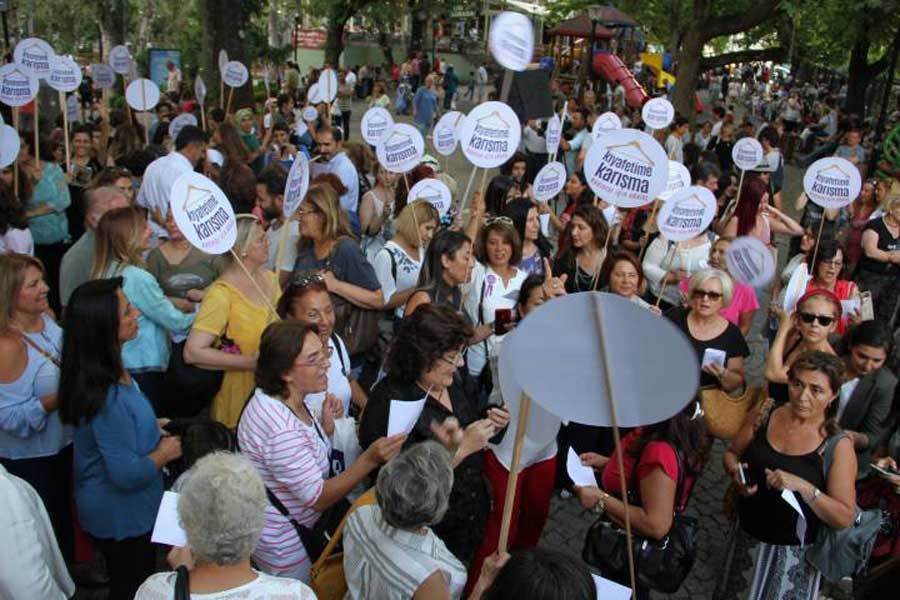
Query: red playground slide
613	70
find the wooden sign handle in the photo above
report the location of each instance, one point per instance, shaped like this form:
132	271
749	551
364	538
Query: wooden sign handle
510	497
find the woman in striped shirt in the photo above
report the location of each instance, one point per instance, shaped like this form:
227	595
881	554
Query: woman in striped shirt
290	447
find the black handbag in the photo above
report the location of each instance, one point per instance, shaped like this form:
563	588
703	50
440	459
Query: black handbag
315	538
659	565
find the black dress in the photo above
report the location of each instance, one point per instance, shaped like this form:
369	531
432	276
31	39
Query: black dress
731	341
463	526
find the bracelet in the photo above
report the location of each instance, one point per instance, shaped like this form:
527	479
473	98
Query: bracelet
600	507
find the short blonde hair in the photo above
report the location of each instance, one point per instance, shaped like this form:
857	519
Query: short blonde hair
704	275
119	238
245	224
12	277
419	212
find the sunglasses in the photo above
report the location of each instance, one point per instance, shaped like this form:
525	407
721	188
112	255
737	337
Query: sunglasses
714	296
808	318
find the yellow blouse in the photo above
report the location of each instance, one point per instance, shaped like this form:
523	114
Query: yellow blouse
226	311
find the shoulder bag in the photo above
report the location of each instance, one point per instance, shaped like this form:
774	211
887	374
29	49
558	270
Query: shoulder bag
839	553
724	414
659	565
358	327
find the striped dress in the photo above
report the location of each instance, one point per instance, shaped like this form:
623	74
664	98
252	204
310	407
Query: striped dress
293	462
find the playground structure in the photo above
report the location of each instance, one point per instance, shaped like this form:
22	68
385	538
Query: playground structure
596	46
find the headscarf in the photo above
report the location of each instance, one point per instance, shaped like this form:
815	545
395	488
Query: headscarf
240	115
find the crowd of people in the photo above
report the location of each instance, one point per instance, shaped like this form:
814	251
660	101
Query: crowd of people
259	384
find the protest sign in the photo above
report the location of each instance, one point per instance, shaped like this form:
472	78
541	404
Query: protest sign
203	213
328	85
178	123
313	95
627	167
222	60
200	89
750	261
608	121
401	148
36	54
120	59
553	134
490	134
9	145
511	40
658	113
310	114
296	185
582	394
444	138
832	182
549	181
18	85
678	179
433	191
375	123
796	287
142	94
235	74
103	75
747	153
73	108
542	425
64	75
687	213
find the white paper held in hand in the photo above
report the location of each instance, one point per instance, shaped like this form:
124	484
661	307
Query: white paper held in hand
167	529
581	475
403	415
714	356
791	499
610	590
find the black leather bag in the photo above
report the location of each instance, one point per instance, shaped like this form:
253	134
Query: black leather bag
659	565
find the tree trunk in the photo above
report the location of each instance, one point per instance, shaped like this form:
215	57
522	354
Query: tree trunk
222	29
416	29
111	18
334	43
384	42
688	72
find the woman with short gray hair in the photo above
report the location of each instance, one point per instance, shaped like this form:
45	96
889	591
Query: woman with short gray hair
719	344
390	551
222	510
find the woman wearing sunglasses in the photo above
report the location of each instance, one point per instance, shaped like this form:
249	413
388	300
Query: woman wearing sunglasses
804	330
826	271
719	344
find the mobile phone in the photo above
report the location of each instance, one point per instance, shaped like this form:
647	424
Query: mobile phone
866	312
502	320
741	475
885	471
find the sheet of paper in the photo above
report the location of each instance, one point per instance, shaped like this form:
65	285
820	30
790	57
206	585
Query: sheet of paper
167	529
581	475
791	499
850	306
610	590
714	356
403	416
545	224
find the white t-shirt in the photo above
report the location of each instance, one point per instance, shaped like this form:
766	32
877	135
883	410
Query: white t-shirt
290	247
338	384
406	269
18	241
495	295
351	79
264	587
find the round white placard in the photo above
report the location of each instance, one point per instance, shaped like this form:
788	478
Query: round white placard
18	85
36	54
565	331
608	121
433	191
490	134
375	123
179	122
120	59
65	74
310	114
747	153
553	134
296	185
687	213
142	94
511	40
832	182
542	425
549	181
401	148
9	145
328	85
103	75
313	96
658	113
200	89
222	60
235	74
627	167
444	137
203	213
300	128
750	261
679	178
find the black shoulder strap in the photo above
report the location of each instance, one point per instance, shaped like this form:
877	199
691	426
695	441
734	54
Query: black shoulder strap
337	350
182	584
481	304
393	265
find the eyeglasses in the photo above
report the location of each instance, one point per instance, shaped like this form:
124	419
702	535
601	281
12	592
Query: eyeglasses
455	361
823	320
319	360
714	296
308	211
503	220
832	263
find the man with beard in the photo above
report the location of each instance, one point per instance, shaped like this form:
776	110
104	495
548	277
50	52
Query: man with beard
333	159
270	199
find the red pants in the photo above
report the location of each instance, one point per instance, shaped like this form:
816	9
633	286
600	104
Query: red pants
531	506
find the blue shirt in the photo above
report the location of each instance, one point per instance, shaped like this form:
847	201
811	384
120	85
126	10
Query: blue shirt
149	350
26	429
52	190
117	486
425	102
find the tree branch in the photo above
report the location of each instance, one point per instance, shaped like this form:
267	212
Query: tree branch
730	24
740	56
